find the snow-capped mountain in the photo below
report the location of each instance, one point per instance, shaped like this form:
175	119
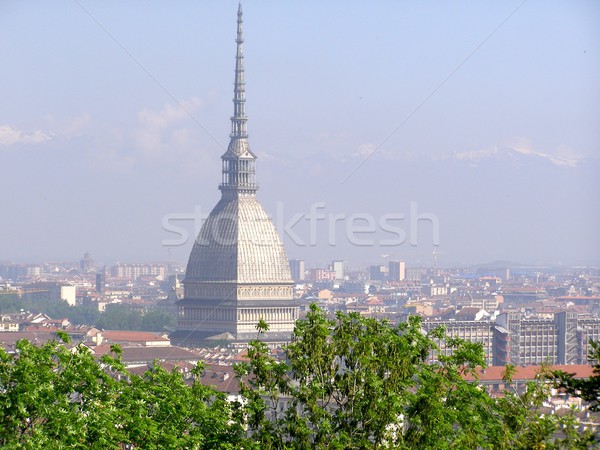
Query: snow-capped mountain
517	155
499	203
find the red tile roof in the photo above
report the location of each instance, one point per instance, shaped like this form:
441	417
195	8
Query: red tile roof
528	373
131	336
149	354
8	339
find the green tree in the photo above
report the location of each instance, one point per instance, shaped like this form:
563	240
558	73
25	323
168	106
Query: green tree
119	317
156	320
55	397
52	396
354	382
124	317
347	382
9	303
351	382
85	314
159	410
586	388
529	429
116	317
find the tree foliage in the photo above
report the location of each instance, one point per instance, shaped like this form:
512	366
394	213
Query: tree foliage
116	317
587	388
54	397
84	314
346	382
357	383
124	317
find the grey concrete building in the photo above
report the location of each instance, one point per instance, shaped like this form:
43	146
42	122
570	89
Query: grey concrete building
470	330
535	341
525	340
298	270
396	270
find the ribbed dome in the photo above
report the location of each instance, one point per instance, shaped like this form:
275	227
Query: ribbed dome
238	243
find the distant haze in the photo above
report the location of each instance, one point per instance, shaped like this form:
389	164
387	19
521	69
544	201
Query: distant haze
484	115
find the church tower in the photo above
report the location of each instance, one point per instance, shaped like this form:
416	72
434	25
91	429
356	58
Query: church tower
238	272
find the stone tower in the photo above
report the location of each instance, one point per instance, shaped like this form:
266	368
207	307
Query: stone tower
238	271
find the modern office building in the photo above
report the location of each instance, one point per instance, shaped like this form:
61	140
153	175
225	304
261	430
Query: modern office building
101	282
396	270
87	264
470	330
338	267
135	271
297	269
524	341
535	341
44	291
587	328
378	272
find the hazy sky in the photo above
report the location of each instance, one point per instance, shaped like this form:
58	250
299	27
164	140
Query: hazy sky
97	145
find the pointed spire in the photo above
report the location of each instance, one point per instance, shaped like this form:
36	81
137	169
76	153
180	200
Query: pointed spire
239	175
239	119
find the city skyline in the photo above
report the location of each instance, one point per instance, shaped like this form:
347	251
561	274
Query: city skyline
483	117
